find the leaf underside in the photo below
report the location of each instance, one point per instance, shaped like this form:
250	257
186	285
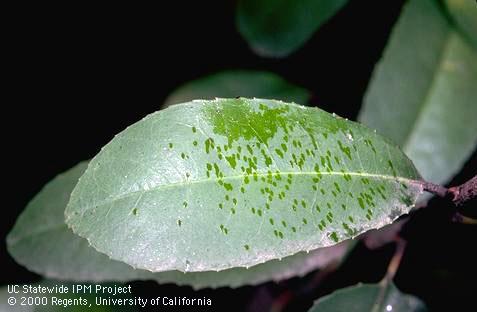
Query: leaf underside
423	92
212	185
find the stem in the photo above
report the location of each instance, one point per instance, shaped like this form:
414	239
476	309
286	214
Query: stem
436	189
396	259
460	194
460	218
391	272
464	192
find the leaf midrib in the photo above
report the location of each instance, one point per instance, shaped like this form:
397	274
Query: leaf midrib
241	176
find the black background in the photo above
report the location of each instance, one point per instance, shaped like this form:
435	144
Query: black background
78	75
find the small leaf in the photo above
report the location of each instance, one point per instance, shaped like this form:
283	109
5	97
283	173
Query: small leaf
368	297
265	180
239	83
41	241
55	299
464	13
423	92
276	28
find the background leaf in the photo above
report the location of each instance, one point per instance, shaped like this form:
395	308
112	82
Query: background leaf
368	297
90	298
464	12
239	83
41	241
276	28
422	93
211	185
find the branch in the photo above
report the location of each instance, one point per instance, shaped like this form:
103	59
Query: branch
395	260
460	194
464	192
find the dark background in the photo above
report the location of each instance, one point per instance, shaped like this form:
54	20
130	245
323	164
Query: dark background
79	75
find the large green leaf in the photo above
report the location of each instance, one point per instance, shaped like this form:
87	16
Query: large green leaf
276	28
423	92
368	298
464	13
41	241
234	83
211	185
55	299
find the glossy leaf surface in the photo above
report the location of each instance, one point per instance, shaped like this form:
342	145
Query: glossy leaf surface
212	185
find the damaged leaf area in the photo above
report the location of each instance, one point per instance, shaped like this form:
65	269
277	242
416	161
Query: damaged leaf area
212	185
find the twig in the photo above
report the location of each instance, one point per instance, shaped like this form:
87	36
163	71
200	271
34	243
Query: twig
460	194
460	218
391	272
464	192
396	259
436	189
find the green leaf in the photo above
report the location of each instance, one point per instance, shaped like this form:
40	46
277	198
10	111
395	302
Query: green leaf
273	270
276	28
55	299
464	13
212	185
422	93
41	241
239	83
368	297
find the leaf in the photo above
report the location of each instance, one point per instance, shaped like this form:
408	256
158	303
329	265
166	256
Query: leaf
239	83
276	28
274	270
464	13
368	297
56	300
422	93
212	185
41	241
